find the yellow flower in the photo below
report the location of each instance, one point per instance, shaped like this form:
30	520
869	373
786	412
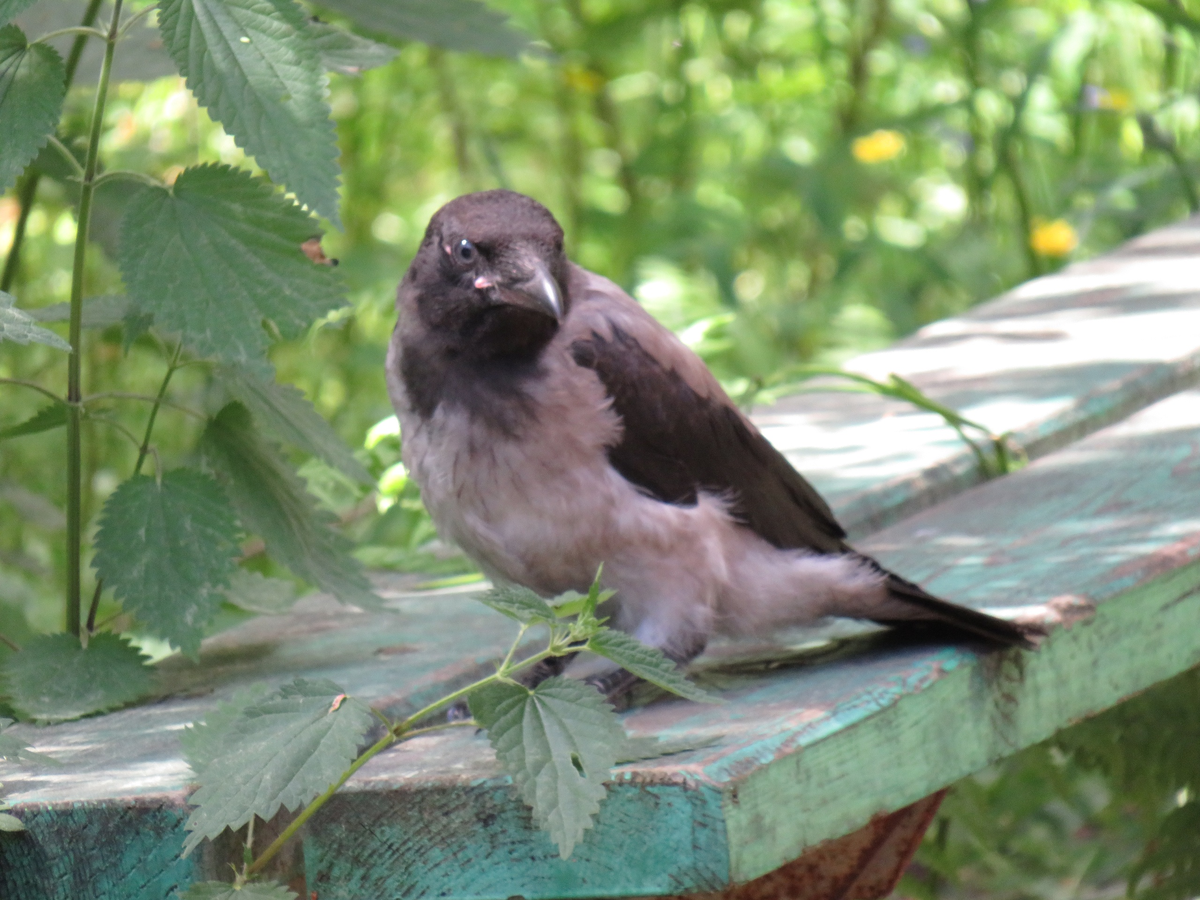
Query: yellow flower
1116	99
878	146
1055	238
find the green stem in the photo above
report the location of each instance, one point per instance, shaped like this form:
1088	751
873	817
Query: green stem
79	30
158	402
67	156
33	386
126	175
400	731
29	184
74	377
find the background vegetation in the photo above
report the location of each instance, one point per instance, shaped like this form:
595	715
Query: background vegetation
780	181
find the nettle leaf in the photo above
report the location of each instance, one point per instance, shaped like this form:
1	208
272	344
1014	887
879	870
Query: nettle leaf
647	663
465	25
10	9
216	254
203	741
518	603
167	550
18	325
271	501
45	419
282	751
287	414
253	65
32	86
16	750
258	593
255	890
558	742
53	678
345	52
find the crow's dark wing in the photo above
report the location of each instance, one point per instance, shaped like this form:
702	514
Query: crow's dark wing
678	440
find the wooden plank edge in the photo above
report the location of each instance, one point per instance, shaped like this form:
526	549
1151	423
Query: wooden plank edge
896	499
977	714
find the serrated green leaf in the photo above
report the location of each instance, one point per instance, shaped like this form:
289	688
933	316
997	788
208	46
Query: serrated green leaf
288	415
257	593
464	25
167	550
518	603
14	749
345	52
10	9
282	751
53	678
271	502
19	326
559	742
10	823
646	663
204	740
218	253
98	312
46	418
32	87
252	65
255	890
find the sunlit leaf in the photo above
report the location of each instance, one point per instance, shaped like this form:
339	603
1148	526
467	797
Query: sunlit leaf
454	24
272	502
518	603
216	254
167	549
18	325
288	415
54	678
10	823
32	86
252	64
559	742
646	663
282	751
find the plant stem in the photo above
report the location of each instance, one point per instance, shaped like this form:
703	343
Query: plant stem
74	385
10	643
400	731
158	402
33	386
29	184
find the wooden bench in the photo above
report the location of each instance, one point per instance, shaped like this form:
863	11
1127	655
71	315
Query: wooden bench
829	756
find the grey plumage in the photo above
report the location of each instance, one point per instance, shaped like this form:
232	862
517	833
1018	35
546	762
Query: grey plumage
554	425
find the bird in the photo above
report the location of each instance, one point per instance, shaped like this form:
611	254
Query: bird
554	426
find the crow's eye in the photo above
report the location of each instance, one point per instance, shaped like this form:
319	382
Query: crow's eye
465	251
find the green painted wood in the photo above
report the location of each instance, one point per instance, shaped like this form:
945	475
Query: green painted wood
1051	361
812	741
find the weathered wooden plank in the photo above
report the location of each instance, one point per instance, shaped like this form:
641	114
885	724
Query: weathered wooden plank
811	744
1051	361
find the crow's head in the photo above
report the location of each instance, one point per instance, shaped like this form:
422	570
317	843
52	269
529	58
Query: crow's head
491	274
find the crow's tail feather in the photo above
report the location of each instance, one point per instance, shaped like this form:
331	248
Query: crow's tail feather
963	618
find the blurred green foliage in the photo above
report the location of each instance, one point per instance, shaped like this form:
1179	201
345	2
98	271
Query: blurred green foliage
781	181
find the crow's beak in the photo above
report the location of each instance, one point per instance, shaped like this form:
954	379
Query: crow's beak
537	291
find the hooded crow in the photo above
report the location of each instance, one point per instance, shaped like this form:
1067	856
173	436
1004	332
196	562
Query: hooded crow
553	425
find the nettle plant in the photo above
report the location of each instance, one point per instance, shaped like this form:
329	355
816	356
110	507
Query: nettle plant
217	266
